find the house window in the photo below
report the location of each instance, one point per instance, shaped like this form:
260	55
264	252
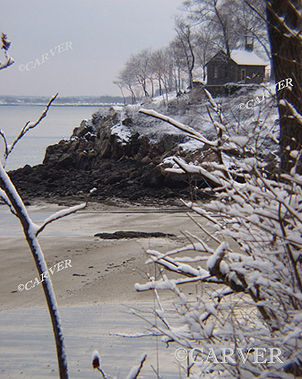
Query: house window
215	72
243	74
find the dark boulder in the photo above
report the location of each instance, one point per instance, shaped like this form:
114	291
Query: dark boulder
107	153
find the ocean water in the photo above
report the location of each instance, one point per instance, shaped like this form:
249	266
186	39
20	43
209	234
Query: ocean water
58	124
27	347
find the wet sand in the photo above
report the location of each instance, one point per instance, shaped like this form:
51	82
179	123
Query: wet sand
91	294
103	271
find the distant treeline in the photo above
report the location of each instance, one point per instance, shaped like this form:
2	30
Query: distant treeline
62	100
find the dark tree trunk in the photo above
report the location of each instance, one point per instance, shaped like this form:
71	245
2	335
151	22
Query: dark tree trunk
159	86
285	33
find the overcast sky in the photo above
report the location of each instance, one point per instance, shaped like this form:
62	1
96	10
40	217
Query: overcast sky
103	34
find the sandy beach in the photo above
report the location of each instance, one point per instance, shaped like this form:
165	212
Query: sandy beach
100	282
102	270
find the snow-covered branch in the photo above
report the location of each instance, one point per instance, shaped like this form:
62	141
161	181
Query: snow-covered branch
5	45
11	197
9	61
6	201
26	128
135	371
193	133
192	169
60	214
29	229
252	251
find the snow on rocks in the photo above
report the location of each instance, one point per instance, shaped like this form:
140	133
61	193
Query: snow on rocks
123	133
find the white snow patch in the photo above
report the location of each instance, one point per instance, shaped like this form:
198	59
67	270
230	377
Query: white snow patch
191	145
244	57
122	132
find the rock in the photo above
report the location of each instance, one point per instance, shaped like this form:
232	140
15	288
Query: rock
119	158
84	128
132	234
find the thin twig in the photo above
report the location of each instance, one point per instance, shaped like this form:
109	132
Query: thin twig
28	126
58	215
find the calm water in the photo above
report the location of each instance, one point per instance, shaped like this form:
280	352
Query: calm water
27	348
59	124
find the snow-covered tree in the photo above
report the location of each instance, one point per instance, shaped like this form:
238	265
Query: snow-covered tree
9	195
246	260
246	318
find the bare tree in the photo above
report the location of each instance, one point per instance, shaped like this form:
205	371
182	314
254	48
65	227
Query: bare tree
158	66
144	72
127	80
185	40
251	24
140	64
162	69
137	72
218	16
204	48
179	65
121	85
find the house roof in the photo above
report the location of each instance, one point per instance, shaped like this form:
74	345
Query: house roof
220	52
244	57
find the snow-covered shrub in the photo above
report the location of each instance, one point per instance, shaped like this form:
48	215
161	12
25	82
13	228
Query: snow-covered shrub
246	319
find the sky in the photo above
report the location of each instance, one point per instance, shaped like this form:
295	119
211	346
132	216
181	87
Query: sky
78	47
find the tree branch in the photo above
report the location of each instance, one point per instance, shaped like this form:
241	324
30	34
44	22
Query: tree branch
7	202
9	61
192	133
27	127
28	229
135	371
58	215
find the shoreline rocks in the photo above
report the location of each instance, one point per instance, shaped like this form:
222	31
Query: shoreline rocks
118	154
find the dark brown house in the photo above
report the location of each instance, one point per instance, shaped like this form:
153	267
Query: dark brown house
241	67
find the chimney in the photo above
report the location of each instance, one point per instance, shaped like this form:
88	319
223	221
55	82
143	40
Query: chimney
249	43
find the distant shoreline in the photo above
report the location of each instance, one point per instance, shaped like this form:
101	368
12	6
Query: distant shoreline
104	105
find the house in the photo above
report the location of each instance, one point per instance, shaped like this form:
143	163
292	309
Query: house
243	66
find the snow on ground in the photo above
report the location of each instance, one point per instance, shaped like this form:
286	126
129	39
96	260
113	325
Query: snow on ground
191	145
249	112
122	132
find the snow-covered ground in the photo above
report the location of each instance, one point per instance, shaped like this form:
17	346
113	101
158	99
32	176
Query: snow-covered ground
250	112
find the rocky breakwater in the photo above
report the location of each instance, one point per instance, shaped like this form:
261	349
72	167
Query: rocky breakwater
118	153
